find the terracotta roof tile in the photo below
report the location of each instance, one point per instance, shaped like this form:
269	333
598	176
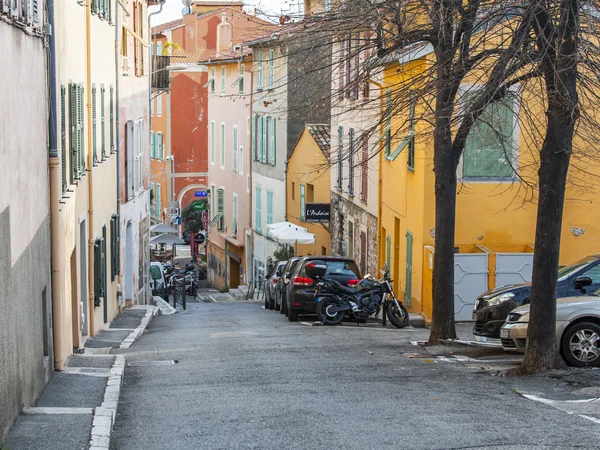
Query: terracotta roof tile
322	136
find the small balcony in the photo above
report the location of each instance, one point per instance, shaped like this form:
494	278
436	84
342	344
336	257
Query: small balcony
160	74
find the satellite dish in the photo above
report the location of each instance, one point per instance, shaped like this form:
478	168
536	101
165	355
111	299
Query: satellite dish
186	10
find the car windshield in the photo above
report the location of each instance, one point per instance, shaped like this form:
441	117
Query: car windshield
565	272
155	272
342	269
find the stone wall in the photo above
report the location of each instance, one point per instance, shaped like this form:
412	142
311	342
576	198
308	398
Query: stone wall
343	211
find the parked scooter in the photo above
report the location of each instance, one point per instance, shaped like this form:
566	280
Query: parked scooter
362	301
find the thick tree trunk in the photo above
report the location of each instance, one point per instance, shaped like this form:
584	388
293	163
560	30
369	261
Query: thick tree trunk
445	164
542	352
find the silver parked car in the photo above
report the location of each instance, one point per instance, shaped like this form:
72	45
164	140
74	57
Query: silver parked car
577	329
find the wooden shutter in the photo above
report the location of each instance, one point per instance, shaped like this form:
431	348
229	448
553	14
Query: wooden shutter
112	120
408	283
97	272
63	139
221	208
355	86
152	144
260	71
364	169
351	161
160	146
73	124
273	141
130	159
258	199
271	69
113	247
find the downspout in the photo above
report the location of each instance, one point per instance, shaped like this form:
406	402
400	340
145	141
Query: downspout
57	245
118	144
90	163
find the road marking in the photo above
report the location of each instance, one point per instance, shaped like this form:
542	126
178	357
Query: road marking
46	410
580	408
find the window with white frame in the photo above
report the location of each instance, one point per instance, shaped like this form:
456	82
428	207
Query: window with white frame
273	142
159	146
234	156
159	105
258	201
241	82
269	207
221	208
134	158
211	81
222	146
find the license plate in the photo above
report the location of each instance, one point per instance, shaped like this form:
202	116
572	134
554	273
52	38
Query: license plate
504	333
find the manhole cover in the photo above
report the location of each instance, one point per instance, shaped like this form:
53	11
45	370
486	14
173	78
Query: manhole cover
152	363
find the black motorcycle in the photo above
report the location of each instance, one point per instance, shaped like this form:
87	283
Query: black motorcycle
362	301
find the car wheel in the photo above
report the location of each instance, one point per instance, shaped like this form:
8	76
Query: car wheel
581	345
266	302
293	315
282	307
271	302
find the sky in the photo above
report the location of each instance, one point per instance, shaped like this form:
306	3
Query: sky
172	8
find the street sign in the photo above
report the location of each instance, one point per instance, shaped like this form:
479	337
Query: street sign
201	194
200	206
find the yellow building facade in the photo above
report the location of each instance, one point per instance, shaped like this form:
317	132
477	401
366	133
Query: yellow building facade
308	182
496	210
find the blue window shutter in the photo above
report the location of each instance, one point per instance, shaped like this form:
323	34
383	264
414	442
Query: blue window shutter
254	137
273	156
152	144
158	205
269	208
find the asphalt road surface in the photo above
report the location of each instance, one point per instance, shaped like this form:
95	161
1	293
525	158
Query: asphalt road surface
246	378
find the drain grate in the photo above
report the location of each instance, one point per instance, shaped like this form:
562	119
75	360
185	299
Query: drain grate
78	351
151	363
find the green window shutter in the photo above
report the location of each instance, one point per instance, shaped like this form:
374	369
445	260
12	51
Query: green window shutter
234	227
273	141
80	130
102	124
160	147
97	272
152	144
213	138
109	11
489	146
112	120
264	140
259	74
94	133
302	201
409	258
254	120
258	210
388	122
234	157
222	145
153	199
269	208
73	124
113	247
63	139
158	205
271	69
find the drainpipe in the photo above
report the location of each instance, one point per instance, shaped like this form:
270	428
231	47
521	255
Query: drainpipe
57	245
118	139
90	172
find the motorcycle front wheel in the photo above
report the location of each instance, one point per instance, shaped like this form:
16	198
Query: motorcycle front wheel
327	316
398	317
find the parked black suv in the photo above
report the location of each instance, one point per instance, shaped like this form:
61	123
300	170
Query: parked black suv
284	281
301	289
491	308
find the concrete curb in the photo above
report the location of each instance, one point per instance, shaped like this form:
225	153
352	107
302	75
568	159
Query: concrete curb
416	321
165	308
461	343
106	414
151	311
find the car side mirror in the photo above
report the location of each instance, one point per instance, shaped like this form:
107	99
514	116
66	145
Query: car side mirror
581	282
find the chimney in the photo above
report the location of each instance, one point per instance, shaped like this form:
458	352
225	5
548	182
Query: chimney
223	35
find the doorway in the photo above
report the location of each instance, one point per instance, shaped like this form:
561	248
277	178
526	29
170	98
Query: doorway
234	273
128	263
83	295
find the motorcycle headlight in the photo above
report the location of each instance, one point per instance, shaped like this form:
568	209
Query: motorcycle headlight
500	299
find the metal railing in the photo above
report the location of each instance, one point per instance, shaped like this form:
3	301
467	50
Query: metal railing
256	289
179	293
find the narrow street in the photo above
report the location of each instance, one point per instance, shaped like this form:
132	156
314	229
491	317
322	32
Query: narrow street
247	378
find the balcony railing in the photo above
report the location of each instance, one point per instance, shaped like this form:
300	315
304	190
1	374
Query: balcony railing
160	74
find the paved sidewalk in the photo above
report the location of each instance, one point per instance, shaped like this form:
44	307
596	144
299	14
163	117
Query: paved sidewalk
77	408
